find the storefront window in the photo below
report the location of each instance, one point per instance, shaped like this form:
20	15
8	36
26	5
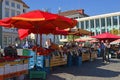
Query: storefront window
77	26
9	40
103	30
97	22
5	40
115	20
87	24
119	19
92	23
108	21
60	36
82	24
103	22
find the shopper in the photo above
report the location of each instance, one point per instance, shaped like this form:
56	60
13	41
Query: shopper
102	48
107	50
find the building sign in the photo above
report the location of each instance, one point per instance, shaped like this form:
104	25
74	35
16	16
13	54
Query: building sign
115	31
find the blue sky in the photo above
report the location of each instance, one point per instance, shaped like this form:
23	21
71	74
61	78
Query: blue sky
91	7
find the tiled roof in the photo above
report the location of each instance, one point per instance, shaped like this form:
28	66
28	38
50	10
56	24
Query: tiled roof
24	4
72	12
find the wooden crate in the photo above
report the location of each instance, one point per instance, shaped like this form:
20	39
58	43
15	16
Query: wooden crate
85	56
26	61
2	64
12	62
1	77
57	61
10	75
93	55
22	72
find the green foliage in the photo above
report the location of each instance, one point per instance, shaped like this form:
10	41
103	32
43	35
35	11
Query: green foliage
71	37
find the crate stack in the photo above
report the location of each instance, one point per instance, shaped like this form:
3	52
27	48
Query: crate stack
74	58
32	60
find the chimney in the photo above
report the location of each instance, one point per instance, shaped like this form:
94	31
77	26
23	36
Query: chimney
59	10
81	11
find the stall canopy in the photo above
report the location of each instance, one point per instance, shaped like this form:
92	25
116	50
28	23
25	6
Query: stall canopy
115	42
106	36
80	32
83	39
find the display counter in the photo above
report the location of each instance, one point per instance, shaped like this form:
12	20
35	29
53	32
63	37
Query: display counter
85	54
13	67
58	59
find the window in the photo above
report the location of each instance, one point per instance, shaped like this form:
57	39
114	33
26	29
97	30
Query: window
65	37
18	12
103	30
114	20
97	32
92	23
9	40
119	19
7	3
6	12
12	12
24	11
13	4
108	21
87	24
60	36
5	40
82	24
18	6
103	22
77	26
97	23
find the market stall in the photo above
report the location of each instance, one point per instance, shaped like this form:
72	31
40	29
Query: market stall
39	23
13	67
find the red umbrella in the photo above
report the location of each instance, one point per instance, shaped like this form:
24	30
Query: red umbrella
38	19
106	36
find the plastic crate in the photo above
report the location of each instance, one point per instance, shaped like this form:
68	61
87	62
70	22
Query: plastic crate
25	52
40	61
79	60
37	74
69	61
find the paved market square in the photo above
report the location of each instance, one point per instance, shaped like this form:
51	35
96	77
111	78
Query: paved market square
90	70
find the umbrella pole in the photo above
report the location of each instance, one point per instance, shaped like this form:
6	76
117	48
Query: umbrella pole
36	39
54	38
73	38
41	40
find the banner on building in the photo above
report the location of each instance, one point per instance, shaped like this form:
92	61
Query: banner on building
115	31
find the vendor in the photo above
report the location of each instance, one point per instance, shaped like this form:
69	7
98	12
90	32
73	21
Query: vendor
48	43
10	51
1	54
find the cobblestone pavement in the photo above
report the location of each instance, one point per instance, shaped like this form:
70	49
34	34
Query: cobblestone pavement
90	70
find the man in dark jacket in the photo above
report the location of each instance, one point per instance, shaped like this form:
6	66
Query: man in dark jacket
102	47
10	51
